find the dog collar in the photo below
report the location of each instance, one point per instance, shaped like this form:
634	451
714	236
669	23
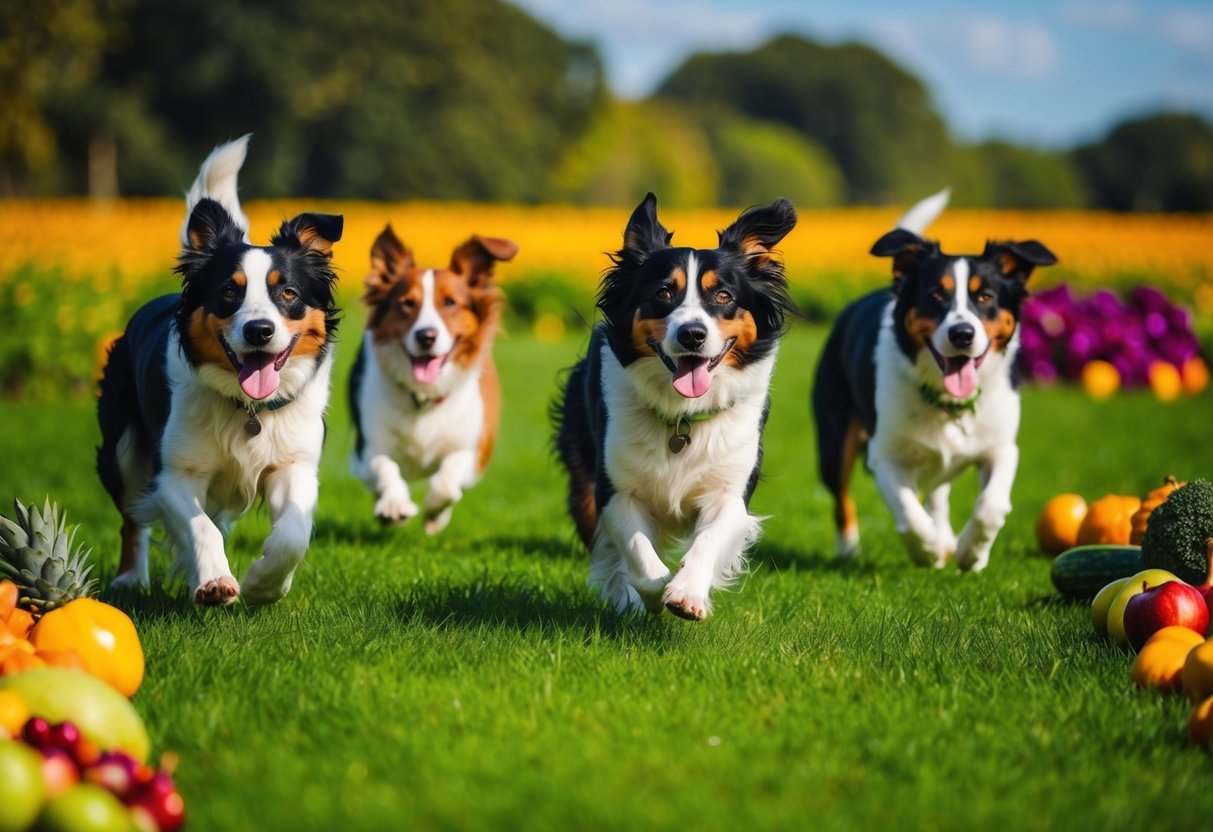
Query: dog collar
422	404
253	426
681	436
941	401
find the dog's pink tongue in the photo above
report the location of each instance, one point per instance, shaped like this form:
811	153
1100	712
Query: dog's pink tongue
960	383
258	375
692	378
426	368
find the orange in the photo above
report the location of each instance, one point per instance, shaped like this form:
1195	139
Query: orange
1165	381
1100	378
1161	660
1109	520
13	713
1057	526
1200	725
1195	375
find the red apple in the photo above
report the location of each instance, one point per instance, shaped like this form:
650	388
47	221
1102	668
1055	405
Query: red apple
1173	604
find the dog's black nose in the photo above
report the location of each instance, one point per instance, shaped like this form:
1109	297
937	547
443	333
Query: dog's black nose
426	337
692	336
258	333
961	335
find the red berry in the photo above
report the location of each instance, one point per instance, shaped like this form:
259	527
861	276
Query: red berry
118	776
37	732
65	735
167	809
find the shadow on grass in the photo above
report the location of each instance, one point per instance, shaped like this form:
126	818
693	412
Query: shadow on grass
566	547
519	604
781	556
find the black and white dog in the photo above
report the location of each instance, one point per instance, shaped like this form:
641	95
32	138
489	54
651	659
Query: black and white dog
924	374
660	425
215	396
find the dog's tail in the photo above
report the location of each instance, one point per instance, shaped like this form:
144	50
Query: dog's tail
924	212
217	180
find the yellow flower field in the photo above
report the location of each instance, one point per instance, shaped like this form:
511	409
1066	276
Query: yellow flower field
122	244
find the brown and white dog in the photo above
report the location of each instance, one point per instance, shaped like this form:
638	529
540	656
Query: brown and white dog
424	393
924	374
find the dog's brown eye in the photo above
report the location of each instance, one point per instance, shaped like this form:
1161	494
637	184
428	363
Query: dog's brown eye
288	295
723	298
228	292
664	295
937	296
985	297
408	303
448	302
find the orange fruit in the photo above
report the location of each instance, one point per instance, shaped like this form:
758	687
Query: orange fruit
1165	381
1057	526
1195	375
103	636
1200	725
13	713
1100	378
1109	520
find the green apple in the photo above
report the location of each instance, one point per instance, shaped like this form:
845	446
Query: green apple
21	790
1134	585
102	714
85	808
1103	600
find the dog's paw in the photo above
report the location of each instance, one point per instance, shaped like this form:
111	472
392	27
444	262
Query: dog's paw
436	521
972	559
131	580
846	546
686	604
393	509
217	592
266	583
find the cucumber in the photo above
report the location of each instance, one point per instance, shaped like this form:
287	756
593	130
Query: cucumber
1084	570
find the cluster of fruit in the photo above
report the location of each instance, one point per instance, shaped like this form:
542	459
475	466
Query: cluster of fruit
48	616
52	777
1107	343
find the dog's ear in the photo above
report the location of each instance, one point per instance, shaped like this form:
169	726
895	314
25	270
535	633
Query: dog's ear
1017	260
210	227
907	250
643	235
758	230
389	258
313	233
475	259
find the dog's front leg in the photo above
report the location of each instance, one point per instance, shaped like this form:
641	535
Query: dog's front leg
457	472
632	531
393	503
724	531
991	509
290	493
198	541
914	524
940	510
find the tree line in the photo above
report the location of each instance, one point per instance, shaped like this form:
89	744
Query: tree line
475	100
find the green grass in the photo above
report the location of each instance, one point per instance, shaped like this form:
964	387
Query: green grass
473	681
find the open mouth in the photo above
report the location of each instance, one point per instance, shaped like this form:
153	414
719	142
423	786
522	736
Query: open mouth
959	372
427	367
692	374
258	372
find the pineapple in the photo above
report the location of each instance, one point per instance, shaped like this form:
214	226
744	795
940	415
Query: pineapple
38	553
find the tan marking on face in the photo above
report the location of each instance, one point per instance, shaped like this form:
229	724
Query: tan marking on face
273	278
645	330
1000	329
948	283
203	334
919	329
312	330
679	278
744	328
239	277
708	281
974	284
392	317
472	317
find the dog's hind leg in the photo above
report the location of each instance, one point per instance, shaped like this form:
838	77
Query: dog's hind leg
133	568
837	452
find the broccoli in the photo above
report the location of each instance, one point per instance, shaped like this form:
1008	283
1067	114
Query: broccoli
1177	533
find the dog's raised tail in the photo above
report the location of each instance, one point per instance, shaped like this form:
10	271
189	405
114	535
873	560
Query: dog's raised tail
217	180
924	212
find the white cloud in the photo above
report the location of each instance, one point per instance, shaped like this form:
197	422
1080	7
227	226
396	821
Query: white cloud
979	43
1189	29
1114	16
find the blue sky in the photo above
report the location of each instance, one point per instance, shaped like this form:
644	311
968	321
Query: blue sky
1050	74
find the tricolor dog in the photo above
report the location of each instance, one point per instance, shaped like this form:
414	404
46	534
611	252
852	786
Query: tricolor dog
424	392
660	425
215	396
924	374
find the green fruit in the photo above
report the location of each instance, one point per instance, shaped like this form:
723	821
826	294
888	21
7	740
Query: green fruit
1103	600
103	715
86	808
21	789
1081	572
1134	585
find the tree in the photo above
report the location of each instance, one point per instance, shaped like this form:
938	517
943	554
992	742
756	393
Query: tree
1158	163
875	119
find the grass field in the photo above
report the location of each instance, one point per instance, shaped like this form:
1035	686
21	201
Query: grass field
472	681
